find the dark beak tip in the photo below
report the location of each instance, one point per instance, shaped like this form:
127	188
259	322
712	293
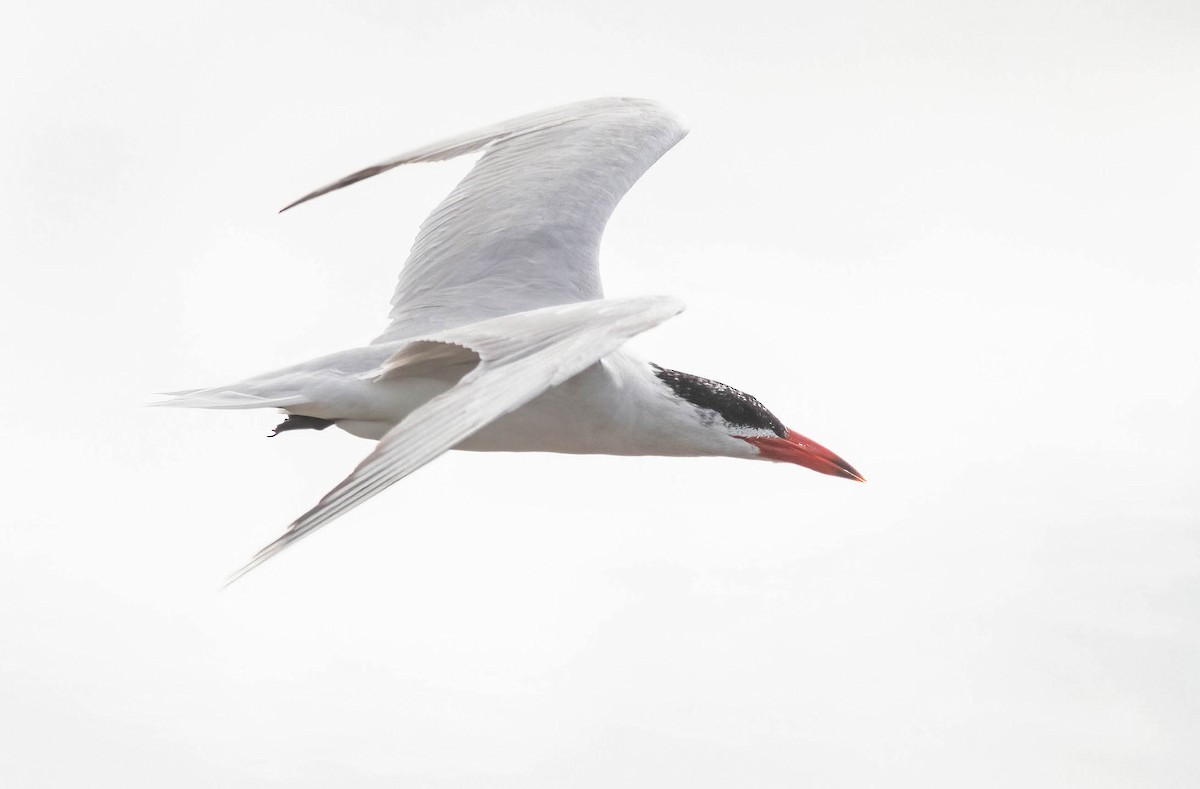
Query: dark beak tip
849	472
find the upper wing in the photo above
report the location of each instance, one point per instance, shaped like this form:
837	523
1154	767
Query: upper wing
522	230
520	356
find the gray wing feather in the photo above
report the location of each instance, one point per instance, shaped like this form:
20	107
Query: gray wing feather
522	230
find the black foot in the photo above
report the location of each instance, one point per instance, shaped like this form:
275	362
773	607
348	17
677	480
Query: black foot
295	422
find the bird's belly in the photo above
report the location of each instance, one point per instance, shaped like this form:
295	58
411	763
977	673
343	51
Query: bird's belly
601	411
542	425
369	410
591	413
576	417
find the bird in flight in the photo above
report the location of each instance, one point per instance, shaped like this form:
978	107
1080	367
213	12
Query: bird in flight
500	338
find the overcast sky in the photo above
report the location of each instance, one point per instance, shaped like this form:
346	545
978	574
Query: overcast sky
955	242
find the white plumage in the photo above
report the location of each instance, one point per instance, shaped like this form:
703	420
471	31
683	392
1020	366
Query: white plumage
499	336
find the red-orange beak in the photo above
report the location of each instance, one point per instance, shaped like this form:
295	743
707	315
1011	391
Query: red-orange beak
795	448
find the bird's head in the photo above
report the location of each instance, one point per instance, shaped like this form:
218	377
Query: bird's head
741	416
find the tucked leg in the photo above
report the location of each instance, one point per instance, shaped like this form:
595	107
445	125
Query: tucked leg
300	422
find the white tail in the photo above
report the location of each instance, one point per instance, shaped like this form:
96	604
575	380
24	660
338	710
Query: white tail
307	384
226	397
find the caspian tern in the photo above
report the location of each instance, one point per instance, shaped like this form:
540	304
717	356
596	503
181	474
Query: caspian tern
500	336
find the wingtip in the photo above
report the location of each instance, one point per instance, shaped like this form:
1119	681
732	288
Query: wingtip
258	559
324	190
234	576
295	203
266	553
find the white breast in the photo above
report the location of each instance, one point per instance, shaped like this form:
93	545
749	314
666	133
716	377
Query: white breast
614	407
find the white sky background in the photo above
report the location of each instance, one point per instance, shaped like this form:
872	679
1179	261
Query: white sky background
956	243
